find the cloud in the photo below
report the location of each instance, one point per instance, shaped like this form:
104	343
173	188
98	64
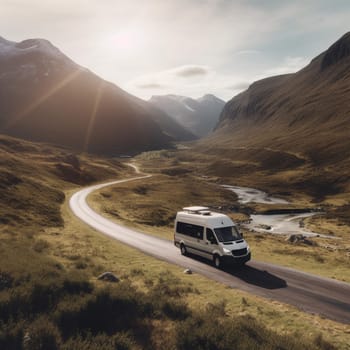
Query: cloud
191	71
173	76
199	80
197	85
224	43
150	85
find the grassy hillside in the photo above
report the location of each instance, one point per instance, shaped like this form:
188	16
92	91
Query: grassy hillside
50	297
33	178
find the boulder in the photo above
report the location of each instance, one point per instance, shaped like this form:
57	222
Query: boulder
300	239
295	238
108	277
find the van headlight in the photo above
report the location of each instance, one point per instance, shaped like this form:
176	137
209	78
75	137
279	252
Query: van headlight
226	251
248	248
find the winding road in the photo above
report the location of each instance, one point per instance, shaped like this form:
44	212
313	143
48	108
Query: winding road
310	293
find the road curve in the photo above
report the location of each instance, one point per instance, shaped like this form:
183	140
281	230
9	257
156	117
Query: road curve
310	293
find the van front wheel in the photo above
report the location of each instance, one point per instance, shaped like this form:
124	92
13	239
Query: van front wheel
183	249
217	261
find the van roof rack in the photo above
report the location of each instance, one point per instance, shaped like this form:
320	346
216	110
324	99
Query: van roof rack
197	210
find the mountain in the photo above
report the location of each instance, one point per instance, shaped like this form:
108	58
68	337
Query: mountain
199	116
307	112
45	96
298	122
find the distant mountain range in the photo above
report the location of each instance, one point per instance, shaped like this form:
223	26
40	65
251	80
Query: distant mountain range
45	96
197	115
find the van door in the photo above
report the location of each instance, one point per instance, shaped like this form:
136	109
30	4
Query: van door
210	243
192	237
199	245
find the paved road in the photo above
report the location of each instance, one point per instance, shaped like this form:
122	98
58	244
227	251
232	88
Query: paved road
310	293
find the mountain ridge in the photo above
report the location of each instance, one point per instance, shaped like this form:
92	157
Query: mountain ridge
45	96
312	99
291	130
336	52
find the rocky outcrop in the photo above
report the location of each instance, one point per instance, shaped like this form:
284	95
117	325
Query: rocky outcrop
108	277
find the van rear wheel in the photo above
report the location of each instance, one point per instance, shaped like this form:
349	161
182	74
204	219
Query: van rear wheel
217	261
183	249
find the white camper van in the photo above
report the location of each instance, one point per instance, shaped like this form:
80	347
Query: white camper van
211	235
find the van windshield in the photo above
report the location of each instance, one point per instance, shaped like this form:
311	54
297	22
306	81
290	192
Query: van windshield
227	234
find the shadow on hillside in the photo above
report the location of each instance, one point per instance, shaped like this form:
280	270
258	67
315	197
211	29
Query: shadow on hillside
260	278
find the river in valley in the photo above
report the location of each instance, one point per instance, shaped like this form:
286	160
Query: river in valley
287	224
252	195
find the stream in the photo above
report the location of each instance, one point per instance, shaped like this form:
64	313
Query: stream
252	195
272	223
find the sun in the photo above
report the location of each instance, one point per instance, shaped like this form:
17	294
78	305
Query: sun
124	43
125	39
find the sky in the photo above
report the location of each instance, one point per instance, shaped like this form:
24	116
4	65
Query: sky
183	47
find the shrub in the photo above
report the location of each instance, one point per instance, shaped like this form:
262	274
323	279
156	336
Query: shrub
164	297
39	297
40	245
6	280
320	343
106	310
42	334
175	310
11	335
119	341
175	171
81	265
77	285
203	331
171	286
136	272
216	310
141	190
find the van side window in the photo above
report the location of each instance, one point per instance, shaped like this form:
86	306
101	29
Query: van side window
210	236
195	231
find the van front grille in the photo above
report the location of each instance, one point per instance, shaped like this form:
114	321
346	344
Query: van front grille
239	252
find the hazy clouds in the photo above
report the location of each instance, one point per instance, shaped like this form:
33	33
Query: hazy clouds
190	71
181	46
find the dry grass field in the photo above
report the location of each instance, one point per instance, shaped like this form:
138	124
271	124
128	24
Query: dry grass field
50	297
50	294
